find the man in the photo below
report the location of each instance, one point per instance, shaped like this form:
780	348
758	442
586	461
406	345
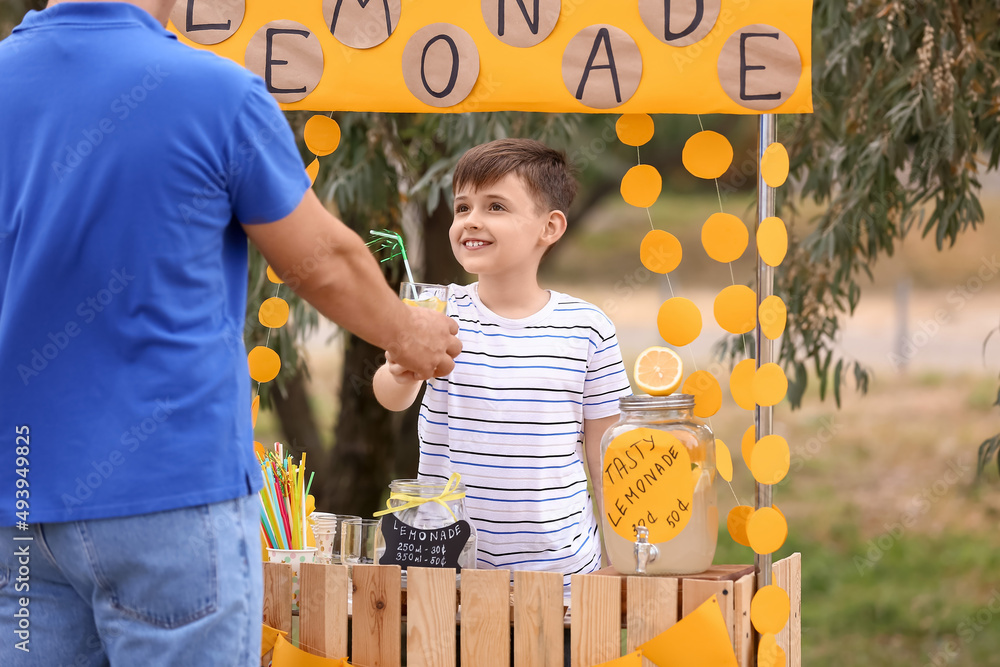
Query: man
133	171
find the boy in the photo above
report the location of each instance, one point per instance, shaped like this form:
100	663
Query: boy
540	372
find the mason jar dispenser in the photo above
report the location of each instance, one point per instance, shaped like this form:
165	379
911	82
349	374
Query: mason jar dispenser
658	472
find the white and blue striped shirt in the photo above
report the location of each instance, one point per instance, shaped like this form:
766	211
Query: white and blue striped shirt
510	418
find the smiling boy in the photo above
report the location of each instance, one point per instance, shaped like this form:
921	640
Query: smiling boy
522	415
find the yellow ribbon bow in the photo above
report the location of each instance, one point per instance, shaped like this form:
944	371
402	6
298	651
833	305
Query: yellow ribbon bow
449	493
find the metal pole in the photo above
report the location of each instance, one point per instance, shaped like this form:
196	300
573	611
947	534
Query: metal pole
762	345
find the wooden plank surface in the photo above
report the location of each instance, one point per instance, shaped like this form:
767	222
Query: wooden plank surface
743	636
323	610
595	624
486	617
278	596
430	619
652	609
791	573
695	591
779	578
538	619
376	612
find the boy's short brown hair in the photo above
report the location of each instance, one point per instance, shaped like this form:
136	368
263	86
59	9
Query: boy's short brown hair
543	170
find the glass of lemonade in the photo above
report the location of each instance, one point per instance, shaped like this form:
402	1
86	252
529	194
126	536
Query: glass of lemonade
424	295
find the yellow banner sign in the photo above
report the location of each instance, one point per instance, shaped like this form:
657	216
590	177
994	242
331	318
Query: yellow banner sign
452	56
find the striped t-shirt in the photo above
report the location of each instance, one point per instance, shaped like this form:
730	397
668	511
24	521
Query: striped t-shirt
509	419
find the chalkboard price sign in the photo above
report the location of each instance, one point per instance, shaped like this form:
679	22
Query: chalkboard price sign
422	547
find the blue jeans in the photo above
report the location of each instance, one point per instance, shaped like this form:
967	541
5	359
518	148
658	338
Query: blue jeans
177	588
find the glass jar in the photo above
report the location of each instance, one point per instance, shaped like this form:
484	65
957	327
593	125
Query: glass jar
431	507
659	508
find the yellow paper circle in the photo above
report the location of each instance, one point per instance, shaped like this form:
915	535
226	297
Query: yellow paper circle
273	277
741	384
747	443
769	609
769	654
679	321
660	251
634	129
322	134
736	522
724	237
774	165
254	407
770	459
273	313
647	482
772	241
313	170
264	363
641	185
706	391
769	385
772	316
736	309
766	530
723	460
707	154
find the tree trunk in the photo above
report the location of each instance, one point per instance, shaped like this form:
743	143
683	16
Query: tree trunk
298	424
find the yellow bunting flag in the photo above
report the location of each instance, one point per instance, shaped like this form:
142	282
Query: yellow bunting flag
769	385
741	385
287	655
706	391
634	129
633	659
774	165
772	315
747	444
769	654
273	277
707	155
254	408
724	237
273	313
700	639
770	459
772	240
766	530
269	638
312	169
641	186
736	309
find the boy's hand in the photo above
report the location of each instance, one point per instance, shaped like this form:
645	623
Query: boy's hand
398	373
427	346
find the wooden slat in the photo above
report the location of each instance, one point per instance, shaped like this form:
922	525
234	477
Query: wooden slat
485	615
595	622
743	637
779	578
430	618
538	619
790	572
376	613
323	610
696	591
278	596
652	609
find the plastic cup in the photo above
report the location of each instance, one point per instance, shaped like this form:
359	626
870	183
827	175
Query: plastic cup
424	295
357	541
295	558
325	529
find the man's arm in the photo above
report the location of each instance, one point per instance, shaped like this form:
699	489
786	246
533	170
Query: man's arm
593	433
328	265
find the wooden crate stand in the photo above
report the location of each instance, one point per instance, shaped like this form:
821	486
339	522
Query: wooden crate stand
486	606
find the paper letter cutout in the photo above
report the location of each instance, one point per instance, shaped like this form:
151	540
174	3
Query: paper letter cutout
759	67
440	64
700	639
288	56
680	22
602	66
521	23
206	22
361	24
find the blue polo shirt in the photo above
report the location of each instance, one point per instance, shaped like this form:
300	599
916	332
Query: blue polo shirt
129	161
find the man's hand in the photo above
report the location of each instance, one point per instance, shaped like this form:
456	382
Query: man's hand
417	353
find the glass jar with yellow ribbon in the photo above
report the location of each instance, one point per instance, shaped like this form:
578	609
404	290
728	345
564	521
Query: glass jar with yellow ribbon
426	525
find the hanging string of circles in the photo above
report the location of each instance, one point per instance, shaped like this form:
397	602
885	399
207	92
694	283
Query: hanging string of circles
322	137
725	238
